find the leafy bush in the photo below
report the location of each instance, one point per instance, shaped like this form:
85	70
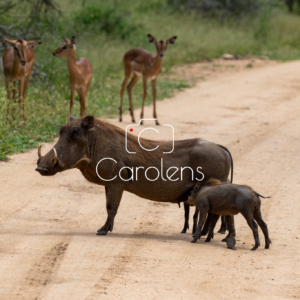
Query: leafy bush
104	18
223	8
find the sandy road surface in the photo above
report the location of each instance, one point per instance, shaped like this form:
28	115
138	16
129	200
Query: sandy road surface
49	249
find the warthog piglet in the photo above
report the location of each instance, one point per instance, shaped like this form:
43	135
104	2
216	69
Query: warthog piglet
219	198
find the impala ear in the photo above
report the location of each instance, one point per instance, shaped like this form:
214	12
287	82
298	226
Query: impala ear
88	122
71	118
171	40
151	38
73	40
33	44
9	42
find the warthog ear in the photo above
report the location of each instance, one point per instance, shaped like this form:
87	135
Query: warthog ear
197	187
71	118
88	122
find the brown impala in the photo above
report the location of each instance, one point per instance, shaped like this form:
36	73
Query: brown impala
80	73
140	62
18	61
98	149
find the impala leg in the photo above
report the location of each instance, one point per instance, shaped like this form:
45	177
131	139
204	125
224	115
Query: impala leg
72	98
123	86
153	85
113	199
130	86
21	101
14	98
87	87
25	87
144	96
14	91
8	97
26	84
82	102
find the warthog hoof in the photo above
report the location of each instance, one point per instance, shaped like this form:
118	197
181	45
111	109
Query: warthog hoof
222	231
232	248
194	241
157	123
268	244
230	241
255	247
183	231
101	233
120	120
224	240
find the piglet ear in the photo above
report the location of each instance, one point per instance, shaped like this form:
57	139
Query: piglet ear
88	122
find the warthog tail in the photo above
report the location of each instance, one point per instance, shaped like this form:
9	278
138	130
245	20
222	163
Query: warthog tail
231	167
259	195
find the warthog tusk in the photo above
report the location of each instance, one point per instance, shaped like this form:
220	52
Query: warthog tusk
86	159
39	151
55	158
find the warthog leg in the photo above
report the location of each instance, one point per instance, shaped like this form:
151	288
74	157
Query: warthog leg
212	224
202	218
195	219
207	224
252	224
186	217
258	218
223	227
113	198
230	240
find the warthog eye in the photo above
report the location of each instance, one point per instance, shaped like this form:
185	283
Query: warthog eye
75	130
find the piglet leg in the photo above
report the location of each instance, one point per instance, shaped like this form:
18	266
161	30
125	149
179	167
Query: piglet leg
197	235
230	240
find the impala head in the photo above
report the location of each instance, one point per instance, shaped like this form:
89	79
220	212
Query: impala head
20	48
161	45
70	150
66	48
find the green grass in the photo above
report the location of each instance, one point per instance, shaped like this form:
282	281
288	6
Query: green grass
104	31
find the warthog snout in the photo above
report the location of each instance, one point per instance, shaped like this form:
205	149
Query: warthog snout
46	163
42	171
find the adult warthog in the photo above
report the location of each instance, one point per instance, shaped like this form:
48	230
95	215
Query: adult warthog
104	156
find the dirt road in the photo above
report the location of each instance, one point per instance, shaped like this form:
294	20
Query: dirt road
49	249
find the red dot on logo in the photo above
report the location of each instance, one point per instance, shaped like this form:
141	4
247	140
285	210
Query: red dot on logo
131	129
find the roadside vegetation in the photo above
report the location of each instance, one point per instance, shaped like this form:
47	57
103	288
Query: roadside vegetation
105	30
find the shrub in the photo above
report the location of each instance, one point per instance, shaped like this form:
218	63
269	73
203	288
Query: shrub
103	18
